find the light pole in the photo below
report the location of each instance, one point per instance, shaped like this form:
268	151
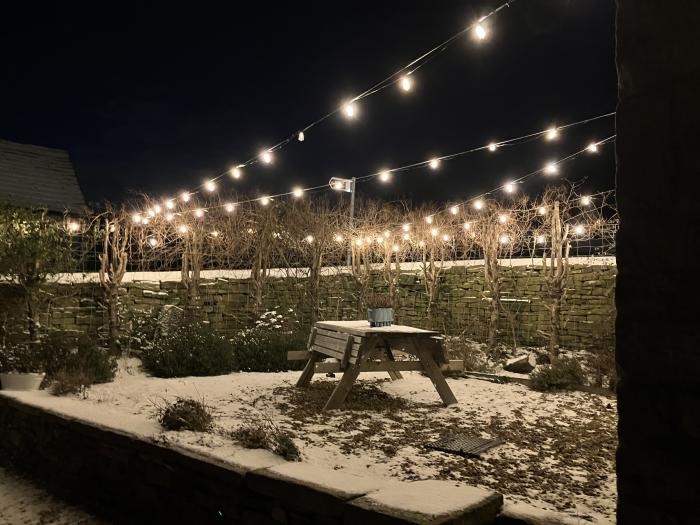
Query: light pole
348	186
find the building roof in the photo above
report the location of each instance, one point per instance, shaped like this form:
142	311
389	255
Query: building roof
38	177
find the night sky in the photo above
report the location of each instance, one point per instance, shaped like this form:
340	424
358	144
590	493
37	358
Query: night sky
157	99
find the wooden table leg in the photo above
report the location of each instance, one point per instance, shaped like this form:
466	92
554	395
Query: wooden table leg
393	374
434	373
309	371
350	374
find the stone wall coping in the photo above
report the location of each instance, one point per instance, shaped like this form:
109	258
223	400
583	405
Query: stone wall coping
176	276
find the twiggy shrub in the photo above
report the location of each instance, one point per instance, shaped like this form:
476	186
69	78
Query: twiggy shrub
186	414
562	374
265	434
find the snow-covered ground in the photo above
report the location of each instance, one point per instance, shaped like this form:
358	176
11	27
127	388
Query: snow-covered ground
558	452
23	503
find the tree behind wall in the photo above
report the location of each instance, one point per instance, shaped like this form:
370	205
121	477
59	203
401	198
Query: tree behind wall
33	248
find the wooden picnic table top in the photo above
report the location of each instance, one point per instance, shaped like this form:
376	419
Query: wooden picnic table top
363	329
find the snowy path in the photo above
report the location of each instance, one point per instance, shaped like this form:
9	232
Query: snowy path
22	503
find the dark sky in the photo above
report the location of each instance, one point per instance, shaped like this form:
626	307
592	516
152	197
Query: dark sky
160	98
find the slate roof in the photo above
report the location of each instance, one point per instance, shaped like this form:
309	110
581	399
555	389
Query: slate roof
36	176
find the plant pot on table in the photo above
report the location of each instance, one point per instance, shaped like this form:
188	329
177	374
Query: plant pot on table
380	316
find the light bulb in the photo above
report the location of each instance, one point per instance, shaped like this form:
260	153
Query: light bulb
338	238
146	220
236	172
446	238
73	226
380	240
309	239
552	133
229	207
152	241
406	227
214	233
509	187
585	200
592	147
492	146
480	32
266	157
429	219
421	244
387	234
406	237
338	185
454	210
395	248
467	225
182	228
169	217
541	239
136	218
503	218
157	209
434	232
170	204
434	164
264	200
542	210
406	83
210	186
300	136
478	204
185	196
579	229
384	176
297	192
504	239
551	168
350	110
358	242
199	213
150	213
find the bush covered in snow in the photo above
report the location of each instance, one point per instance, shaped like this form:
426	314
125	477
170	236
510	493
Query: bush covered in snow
66	354
562	374
186	414
192	350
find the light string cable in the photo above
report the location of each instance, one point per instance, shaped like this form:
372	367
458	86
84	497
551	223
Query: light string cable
394	78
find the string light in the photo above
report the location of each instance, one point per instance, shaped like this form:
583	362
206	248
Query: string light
542	210
185	196
309	239
210	186
380	240
157	209
552	133
199	213
395	248
358	242
73	226
541	239
406	226
509	187
503	218
592	148
169	217
429	219
170	204
338	185
585	200
350	110
579	229
236	172
478	204
264	200
146	221
454	210
214	233
467	225
300	136
406	237
229	207
434	164
153	242
297	192
421	244
266	157
446	238
338	238
387	234
385	176
182	228
136	218
150	213
480	32
551	168
434	232
504	239
406	83
492	146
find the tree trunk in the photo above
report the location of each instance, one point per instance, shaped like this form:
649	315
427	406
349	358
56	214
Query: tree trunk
113	313
31	319
555	325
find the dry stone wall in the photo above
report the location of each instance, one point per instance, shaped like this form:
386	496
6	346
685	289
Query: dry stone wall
588	314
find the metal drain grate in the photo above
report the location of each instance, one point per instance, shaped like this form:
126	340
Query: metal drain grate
464	445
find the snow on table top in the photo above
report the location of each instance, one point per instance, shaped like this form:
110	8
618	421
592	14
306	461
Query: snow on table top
363	327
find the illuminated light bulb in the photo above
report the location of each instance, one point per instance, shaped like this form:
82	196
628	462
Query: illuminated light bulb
446	238
358	242
338	185
309	239
406	227
266	157
210	185
421	244
585	200
551	168
170	204
157	209
387	233
509	187
385	176
434	164
169	217
136	218
369	240
112	228
236	172
542	210
199	212
551	134
429	219
579	229
297	193
300	136
503	218
492	146
150	213
146	220
406	83
185	196
251	231
454	210
264	201
467	225
152	241
73	226
541	239
406	237
434	232
338	238
478	204
214	233
592	148
504	239
380	240
350	110
395	248
182	228
480	32
229	207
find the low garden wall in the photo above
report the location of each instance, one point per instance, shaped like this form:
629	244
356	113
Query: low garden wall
588	313
127	479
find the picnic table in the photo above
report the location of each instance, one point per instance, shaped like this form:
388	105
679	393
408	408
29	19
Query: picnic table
358	347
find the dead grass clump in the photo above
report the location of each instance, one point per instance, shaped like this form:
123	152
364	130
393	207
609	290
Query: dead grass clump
265	434
186	414
67	382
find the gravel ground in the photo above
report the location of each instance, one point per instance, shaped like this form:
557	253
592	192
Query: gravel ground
23	503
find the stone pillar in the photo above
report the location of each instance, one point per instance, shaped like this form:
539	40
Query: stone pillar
658	296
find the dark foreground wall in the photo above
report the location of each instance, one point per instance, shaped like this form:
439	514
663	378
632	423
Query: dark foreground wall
658	331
